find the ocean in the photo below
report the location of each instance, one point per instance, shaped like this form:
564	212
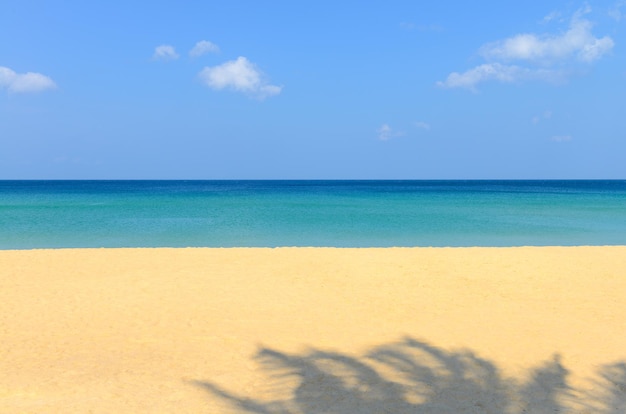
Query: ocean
69	214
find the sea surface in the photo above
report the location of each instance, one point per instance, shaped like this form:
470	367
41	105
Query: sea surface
62	214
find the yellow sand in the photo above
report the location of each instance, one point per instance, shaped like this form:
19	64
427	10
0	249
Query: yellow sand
155	330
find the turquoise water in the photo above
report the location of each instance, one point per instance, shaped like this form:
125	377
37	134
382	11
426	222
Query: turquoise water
55	214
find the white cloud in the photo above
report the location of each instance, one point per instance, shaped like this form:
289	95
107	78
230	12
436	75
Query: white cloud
615	12
240	75
499	72
24	82
385	132
165	52
422	125
539	51
203	47
561	138
538	118
551	16
577	42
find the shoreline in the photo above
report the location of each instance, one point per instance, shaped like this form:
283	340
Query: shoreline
166	329
525	246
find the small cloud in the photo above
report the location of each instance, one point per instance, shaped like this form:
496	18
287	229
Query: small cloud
422	125
29	82
498	72
538	118
551	16
407	26
165	52
385	132
203	47
239	75
561	138
615	12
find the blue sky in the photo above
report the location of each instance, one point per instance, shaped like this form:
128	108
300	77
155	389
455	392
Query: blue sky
312	90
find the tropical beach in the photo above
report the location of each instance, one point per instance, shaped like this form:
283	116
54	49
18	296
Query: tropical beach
312	208
313	330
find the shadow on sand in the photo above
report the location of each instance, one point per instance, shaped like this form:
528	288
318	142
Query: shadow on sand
412	376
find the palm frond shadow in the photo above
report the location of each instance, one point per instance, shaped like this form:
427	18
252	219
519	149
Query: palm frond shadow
412	376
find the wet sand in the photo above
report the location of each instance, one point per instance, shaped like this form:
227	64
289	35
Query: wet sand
306	329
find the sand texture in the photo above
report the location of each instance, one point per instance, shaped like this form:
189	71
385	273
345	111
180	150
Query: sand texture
311	330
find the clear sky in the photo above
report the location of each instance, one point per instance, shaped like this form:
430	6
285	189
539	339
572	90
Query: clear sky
312	89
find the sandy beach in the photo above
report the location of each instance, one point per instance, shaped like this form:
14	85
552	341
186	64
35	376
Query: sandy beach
312	330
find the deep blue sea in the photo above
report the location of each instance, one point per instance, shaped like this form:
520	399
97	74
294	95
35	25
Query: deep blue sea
59	214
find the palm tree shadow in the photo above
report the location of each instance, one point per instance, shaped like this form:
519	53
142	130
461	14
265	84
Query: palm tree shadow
439	381
412	376
546	389
608	395
328	382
